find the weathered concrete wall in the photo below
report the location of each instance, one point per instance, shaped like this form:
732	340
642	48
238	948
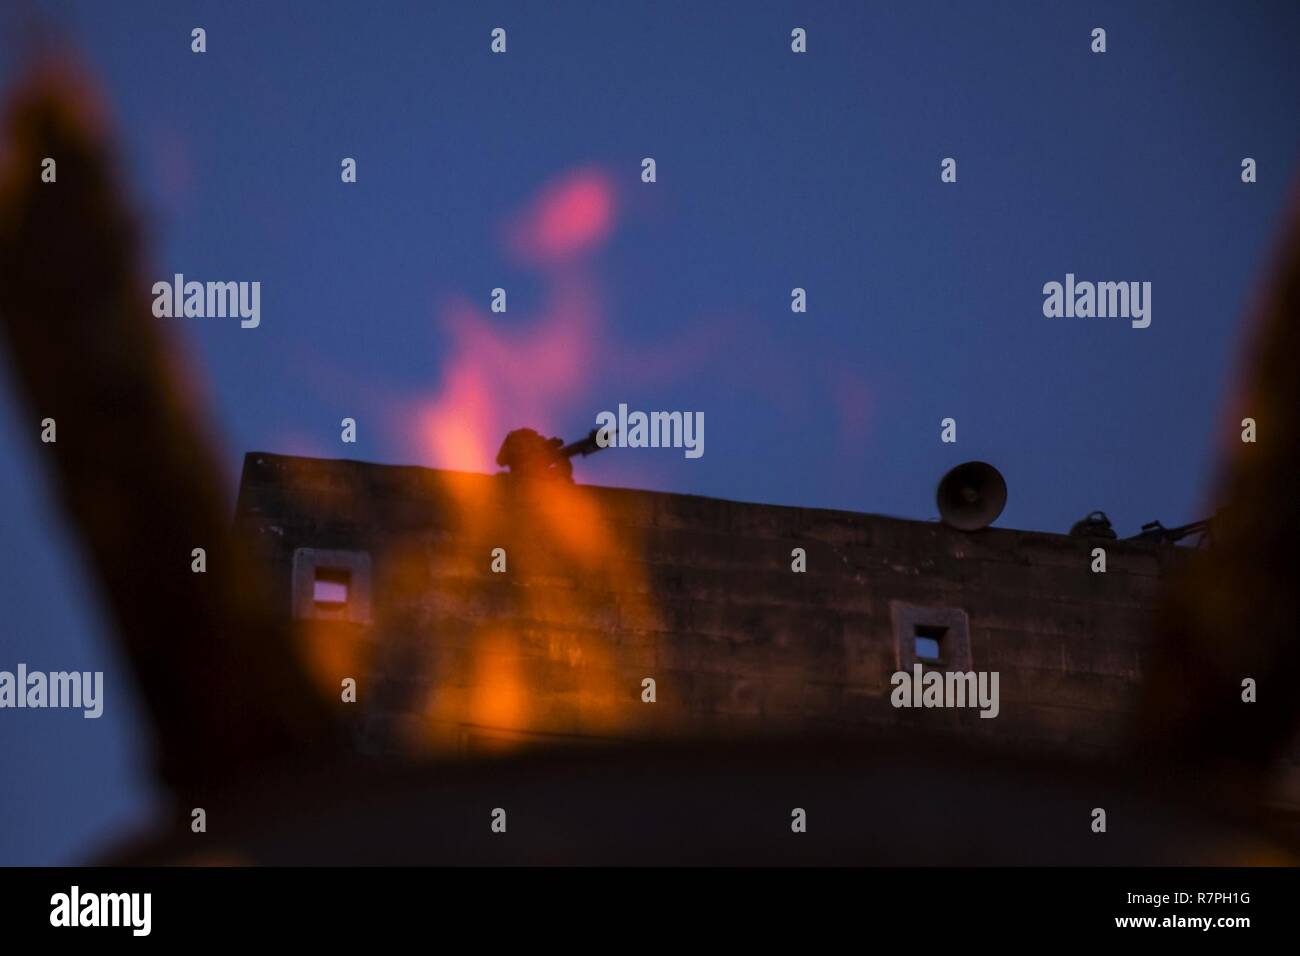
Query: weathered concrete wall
606	587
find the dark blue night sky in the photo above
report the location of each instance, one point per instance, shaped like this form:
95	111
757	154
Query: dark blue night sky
775	170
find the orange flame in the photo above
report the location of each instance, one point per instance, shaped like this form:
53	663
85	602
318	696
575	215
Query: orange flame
544	661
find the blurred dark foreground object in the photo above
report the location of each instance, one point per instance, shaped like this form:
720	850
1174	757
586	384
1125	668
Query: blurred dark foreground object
909	802
241	731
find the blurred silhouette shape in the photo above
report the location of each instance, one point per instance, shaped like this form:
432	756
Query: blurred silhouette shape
1234	615
131	466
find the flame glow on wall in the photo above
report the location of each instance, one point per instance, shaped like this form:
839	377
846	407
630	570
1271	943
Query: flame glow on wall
549	647
535	652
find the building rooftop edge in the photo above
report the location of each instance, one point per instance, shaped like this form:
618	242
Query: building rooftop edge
829	514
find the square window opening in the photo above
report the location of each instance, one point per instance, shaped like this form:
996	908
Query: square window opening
331	586
928	644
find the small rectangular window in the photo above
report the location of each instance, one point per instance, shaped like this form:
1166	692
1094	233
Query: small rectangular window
331	586
936	637
929	644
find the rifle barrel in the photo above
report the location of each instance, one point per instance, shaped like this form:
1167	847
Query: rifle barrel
583	446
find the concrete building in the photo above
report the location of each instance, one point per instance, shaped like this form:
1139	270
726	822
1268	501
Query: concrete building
481	612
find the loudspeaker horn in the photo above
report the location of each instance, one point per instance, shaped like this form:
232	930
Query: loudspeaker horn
971	496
